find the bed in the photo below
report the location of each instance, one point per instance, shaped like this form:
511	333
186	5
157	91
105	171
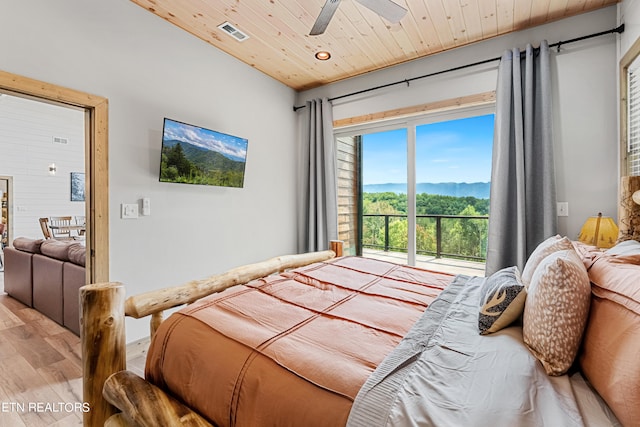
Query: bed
335	341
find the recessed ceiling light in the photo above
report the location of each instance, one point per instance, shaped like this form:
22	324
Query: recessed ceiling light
323	55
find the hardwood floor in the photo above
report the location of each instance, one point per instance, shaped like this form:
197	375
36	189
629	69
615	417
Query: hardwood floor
41	369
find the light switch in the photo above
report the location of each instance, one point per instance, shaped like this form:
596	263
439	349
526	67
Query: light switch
563	208
146	206
129	210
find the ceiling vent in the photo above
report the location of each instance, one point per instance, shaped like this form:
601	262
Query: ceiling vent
230	29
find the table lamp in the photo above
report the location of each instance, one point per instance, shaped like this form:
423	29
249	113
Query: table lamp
600	231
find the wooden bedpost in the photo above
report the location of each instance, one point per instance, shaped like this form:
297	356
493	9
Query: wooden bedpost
146	405
156	319
102	332
337	247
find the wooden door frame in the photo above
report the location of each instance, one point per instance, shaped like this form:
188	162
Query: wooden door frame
96	161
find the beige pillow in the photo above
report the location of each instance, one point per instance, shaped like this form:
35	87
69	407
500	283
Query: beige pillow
556	310
549	246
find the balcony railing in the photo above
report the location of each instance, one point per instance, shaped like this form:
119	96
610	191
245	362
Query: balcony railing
448	236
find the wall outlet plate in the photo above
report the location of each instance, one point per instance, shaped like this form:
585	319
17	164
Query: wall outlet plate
129	210
563	208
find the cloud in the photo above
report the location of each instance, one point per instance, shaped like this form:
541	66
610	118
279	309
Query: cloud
227	145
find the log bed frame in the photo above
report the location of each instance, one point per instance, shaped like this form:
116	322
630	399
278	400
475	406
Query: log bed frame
118	397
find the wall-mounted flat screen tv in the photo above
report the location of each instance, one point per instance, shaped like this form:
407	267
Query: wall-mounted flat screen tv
195	155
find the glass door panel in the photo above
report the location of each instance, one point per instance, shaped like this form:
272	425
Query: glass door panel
384	195
453	174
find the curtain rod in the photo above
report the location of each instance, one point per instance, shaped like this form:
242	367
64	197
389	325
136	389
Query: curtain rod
616	30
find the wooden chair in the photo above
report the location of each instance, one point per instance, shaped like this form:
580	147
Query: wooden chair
60	232
81	220
2	244
44	226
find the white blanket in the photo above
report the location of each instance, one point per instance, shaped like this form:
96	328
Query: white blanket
444	373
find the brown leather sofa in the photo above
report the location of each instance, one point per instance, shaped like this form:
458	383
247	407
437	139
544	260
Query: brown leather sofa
47	275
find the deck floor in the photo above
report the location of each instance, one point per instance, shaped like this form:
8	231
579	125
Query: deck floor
446	265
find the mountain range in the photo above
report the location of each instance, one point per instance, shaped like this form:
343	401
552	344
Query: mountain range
479	190
206	159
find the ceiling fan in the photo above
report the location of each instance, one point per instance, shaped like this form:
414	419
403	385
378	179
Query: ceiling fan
389	10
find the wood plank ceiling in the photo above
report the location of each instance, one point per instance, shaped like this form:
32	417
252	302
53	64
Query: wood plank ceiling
358	39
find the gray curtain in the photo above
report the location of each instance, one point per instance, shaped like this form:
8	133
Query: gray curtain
523	196
318	222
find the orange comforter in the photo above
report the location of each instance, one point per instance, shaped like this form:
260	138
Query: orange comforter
293	349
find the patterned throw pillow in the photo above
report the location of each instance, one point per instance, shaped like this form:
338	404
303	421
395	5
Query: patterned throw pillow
556	311
549	246
502	300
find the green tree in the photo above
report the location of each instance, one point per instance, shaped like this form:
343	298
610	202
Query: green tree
466	237
398	233
397	202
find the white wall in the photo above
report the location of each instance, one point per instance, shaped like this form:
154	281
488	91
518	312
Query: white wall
629	14
585	100
149	69
27	148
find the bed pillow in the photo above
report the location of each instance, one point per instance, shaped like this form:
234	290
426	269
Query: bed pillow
556	310
547	247
611	345
502	300
587	253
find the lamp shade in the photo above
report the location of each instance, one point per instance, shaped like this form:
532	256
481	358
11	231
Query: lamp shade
600	231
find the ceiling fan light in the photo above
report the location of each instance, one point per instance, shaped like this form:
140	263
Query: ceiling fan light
323	55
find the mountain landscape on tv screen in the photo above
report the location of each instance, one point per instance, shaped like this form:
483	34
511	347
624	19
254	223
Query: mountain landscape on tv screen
479	190
192	164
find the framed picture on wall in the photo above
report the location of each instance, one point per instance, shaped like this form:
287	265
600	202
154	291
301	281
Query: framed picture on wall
77	186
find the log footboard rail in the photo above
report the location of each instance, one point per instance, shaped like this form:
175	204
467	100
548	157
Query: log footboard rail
119	398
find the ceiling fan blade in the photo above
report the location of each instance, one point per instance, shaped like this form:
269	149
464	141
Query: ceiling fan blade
389	10
325	16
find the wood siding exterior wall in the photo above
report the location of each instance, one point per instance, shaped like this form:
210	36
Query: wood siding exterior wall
347	149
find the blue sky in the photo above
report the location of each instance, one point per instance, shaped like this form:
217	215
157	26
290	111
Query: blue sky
230	146
451	151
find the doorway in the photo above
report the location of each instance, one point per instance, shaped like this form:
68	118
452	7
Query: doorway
6	197
96	161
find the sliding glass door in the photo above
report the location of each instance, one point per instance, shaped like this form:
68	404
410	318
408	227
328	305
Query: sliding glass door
424	186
